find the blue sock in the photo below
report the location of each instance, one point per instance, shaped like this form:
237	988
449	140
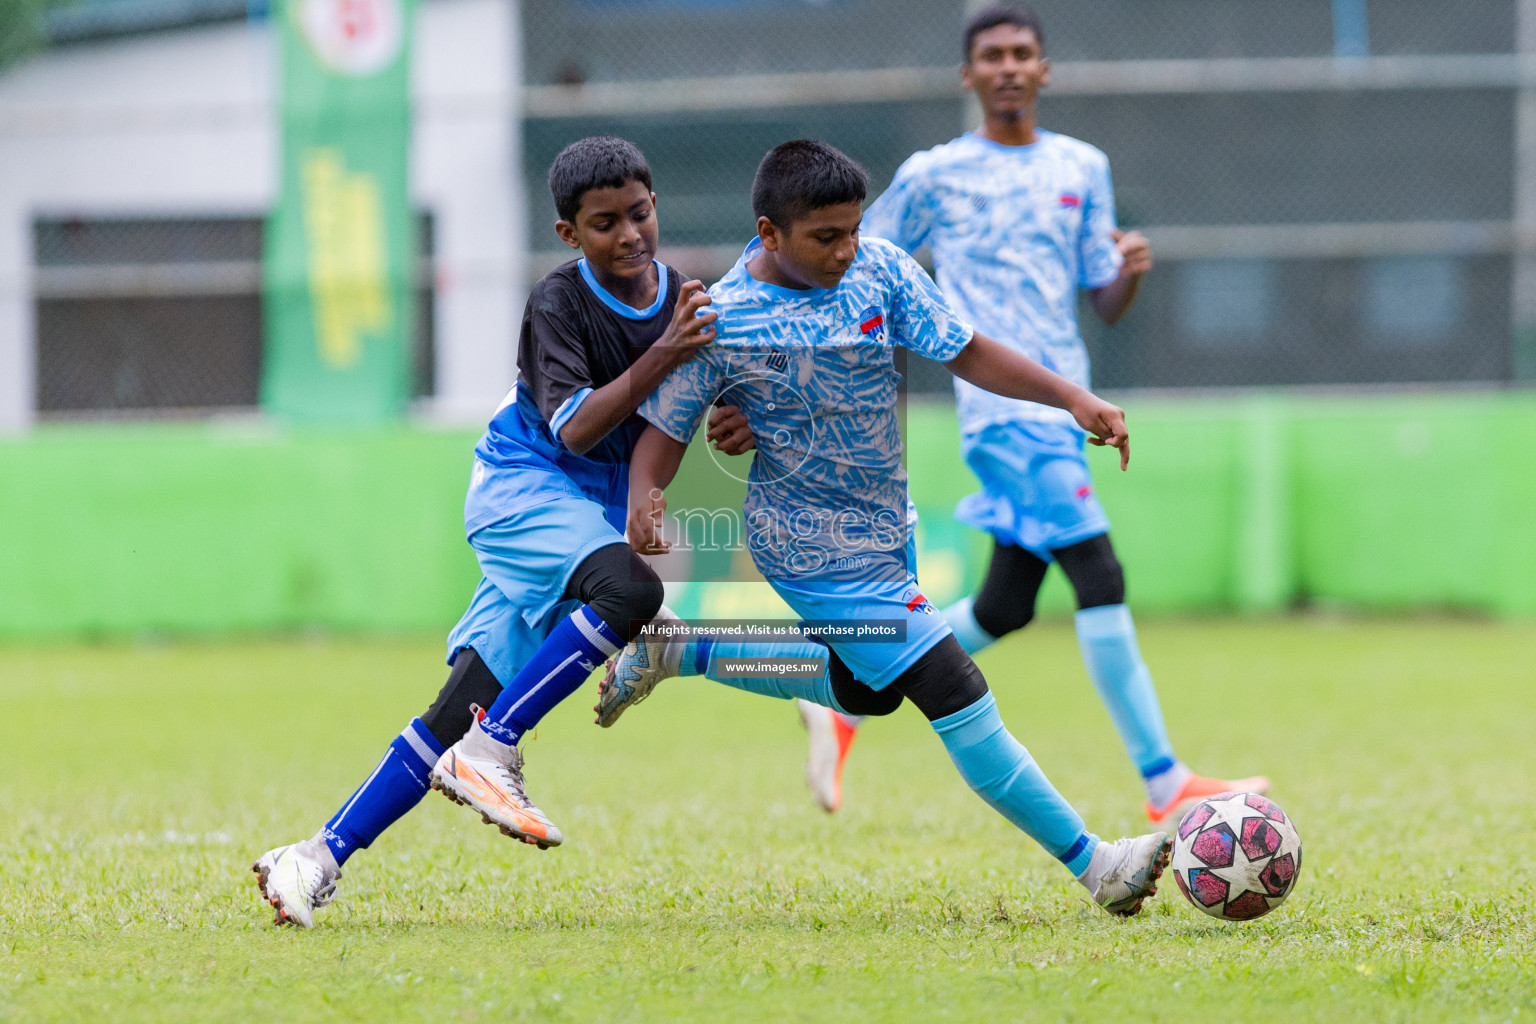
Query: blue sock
962	623
396	785
557	669
1107	637
721	654
1002	773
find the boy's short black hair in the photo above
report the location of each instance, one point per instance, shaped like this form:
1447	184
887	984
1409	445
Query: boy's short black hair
598	161
994	15
803	175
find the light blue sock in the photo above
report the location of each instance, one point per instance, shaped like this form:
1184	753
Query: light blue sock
1107	637
962	623
719	655
1003	774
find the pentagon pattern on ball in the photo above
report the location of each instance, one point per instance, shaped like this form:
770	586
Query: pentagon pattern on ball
1214	845
1278	875
1209	890
1194	819
1259	838
1248	906
1236	856
1264	806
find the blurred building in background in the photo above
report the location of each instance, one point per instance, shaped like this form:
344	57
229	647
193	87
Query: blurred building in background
137	164
1338	191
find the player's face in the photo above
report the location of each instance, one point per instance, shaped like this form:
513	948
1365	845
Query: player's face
615	229
820	246
1006	70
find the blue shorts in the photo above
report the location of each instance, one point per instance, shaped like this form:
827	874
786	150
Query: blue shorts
873	664
1036	491
526	559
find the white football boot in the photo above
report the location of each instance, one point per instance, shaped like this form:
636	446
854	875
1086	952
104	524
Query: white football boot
634	673
1123	873
486	776
296	879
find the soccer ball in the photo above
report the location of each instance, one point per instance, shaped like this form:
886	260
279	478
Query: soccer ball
1236	856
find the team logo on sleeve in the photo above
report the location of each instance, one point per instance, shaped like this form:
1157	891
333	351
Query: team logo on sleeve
872	324
1071	199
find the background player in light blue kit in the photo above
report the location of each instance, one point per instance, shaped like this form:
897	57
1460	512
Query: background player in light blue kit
809	323
1017	220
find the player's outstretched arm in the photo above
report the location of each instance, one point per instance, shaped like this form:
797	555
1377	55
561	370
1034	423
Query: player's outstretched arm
613	403
994	366
651	469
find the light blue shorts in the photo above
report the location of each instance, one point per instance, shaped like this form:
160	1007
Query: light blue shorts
873	664
1036	491
526	559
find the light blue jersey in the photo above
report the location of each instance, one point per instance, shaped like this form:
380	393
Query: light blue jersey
1014	232
814	371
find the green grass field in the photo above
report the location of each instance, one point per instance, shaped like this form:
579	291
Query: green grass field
698	881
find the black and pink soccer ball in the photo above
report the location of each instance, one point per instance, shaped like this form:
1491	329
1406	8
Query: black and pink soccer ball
1236	856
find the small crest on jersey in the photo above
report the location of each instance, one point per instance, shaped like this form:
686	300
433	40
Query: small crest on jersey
872	323
1071	199
918	603
777	361
1084	492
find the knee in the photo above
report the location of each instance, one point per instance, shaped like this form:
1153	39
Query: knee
621	588
857	699
638	600
1001	614
1095	572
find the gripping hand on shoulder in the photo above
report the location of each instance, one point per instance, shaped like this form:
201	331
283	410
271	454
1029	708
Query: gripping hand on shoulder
692	325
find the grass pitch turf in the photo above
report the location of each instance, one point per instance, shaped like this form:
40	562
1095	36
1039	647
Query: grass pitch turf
698	881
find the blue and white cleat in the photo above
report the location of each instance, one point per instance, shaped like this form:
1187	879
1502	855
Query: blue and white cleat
1125	872
296	879
634	673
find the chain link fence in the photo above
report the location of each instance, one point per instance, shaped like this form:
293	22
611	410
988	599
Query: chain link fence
135	315
1315	221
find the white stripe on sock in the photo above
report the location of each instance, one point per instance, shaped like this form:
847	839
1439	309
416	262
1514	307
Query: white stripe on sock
535	688
594	634
361	789
428	759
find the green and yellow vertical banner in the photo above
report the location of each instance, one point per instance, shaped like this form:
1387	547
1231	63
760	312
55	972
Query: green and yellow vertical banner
339	266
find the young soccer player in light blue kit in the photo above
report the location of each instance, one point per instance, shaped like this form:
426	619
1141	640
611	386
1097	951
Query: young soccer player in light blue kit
809	322
1017	220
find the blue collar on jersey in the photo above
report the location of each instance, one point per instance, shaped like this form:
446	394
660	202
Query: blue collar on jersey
778	291
625	310
1040	136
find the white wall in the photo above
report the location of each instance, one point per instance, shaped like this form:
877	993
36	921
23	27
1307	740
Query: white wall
183	123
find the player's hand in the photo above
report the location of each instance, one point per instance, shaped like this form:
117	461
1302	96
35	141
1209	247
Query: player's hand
1105	424
692	325
729	431
1136	251
643	528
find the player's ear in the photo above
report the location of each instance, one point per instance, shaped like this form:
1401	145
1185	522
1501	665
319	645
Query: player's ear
567	232
966	80
768	233
1045	72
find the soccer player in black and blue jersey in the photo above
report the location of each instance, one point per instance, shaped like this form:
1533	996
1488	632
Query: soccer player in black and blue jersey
545	511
